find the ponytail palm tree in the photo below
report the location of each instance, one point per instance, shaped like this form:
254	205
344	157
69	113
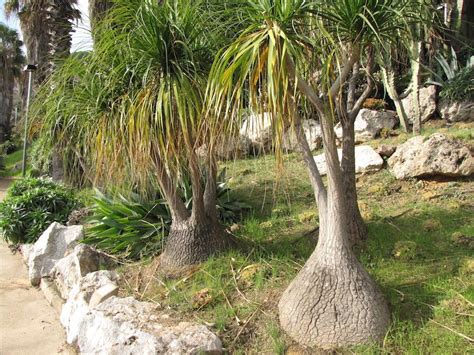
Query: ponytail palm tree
133	109
333	301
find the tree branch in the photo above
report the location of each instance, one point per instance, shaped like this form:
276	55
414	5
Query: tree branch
336	86
368	89
179	212
303	86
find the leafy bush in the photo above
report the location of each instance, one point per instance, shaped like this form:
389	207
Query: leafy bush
460	87
374	104
136	229
128	226
31	206
456	82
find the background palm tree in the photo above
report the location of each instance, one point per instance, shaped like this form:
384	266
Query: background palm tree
11	60
97	11
46	26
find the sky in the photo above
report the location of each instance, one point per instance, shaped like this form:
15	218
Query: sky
81	38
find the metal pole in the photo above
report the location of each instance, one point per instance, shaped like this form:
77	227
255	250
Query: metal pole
23	167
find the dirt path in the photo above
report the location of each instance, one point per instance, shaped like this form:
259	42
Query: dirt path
28	324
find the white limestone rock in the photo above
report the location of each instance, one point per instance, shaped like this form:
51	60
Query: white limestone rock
457	111
103	293
258	129
127	326
49	248
25	250
427	103
366	160
312	131
77	304
438	155
69	270
369	123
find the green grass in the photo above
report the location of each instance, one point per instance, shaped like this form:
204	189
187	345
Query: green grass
431	291
10	161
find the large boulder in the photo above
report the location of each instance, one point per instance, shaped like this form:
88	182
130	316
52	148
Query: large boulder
366	160
233	147
50	247
433	156
127	326
457	111
427	103
77	304
258	129
69	270
116	325
369	123
312	131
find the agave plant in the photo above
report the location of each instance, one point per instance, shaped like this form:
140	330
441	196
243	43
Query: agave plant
128	226
135	228
456	82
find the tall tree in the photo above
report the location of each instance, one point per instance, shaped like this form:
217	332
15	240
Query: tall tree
133	108
97	11
46	26
11	59
332	301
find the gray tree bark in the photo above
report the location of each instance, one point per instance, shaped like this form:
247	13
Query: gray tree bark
333	302
194	235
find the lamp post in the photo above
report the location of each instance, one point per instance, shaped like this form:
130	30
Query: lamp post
30	68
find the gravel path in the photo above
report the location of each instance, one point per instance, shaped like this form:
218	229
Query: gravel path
28	324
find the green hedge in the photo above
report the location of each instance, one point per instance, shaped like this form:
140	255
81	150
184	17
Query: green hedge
31	206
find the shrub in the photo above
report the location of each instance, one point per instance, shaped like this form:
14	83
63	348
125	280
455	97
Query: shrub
460	87
31	206
128	226
374	104
135	228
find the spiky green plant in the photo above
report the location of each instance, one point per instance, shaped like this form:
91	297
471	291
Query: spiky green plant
128	226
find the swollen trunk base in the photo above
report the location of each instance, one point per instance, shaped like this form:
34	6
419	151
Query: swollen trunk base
191	243
333	303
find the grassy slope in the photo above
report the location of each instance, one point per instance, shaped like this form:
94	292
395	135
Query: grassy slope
10	161
430	287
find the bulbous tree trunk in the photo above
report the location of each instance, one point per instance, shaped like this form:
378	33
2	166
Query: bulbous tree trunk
197	234
192	242
333	302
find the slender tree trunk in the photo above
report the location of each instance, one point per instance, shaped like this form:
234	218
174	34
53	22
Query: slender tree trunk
357	228
415	83
389	83
57	165
333	302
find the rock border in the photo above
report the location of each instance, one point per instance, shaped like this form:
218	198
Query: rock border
95	319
